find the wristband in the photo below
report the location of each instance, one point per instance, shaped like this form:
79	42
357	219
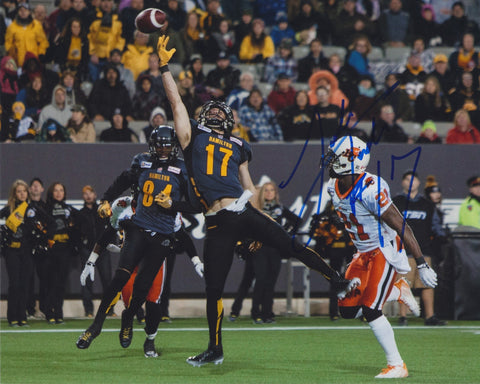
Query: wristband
93	258
164	69
420	260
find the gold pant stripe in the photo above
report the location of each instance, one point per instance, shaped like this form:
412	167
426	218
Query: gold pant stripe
114	301
219	318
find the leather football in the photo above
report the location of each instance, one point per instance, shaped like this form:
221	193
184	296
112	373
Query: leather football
150	20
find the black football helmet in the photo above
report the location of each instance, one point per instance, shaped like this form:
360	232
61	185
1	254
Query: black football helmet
163	144
213	120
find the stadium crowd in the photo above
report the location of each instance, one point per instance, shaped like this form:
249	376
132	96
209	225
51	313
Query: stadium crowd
63	72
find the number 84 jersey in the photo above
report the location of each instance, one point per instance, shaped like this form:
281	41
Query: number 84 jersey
360	209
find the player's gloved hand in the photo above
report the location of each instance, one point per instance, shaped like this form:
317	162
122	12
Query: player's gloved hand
163	200
198	265
254	246
104	209
113	248
163	53
89	270
427	275
50	243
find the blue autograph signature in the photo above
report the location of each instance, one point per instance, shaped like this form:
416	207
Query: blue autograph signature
326	158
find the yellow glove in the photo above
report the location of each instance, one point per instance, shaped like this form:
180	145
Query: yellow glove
164	55
254	246
163	200
50	243
104	209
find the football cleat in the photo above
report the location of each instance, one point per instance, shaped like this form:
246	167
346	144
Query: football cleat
149	348
232	317
349	287
406	296
257	320
165	319
86	338
435	321
393	372
126	331
214	356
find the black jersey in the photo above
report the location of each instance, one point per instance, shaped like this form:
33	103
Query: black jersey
150	177
213	161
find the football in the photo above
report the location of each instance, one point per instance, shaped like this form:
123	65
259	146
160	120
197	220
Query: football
150	20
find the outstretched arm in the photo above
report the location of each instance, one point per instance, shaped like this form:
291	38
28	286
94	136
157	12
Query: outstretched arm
180	115
247	183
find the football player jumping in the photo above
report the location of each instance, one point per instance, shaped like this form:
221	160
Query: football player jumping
362	200
217	164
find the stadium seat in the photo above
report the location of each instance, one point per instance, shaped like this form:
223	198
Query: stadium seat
376	54
331	49
396	53
300	51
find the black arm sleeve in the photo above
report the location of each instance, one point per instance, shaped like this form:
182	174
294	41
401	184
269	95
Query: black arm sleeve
107	237
187	242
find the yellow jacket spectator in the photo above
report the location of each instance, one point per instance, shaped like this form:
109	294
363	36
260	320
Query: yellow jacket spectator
25	35
135	58
256	46
105	35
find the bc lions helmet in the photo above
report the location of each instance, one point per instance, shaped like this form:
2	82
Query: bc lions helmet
213	120
163	143
348	155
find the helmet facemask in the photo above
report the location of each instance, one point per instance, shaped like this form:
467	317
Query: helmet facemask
218	116
163	144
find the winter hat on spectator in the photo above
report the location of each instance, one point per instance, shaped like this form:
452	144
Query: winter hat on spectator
440	58
428	7
431	185
429	124
79	108
23	5
473	181
281	17
88	188
286	44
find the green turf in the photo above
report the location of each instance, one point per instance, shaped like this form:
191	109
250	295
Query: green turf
279	353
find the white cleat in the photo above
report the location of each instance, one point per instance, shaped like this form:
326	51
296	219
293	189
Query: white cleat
354	283
393	372
406	296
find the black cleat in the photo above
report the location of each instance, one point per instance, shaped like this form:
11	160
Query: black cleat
86	338
211	355
126	331
149	348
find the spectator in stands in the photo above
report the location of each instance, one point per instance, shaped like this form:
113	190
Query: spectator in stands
79	127
80	11
267	10
349	127
469	214
310	24
357	55
296	120
364	105
25	35
239	94
65	12
109	94
63	6
395	25
157	117
188	93
332	9
257	115
145	99
467	97
281	30
442	9
8	83
444	76
136	56
282	62
257	45
463	132
465	59
127	18
387	130
52	132
413	78
457	25
40	14
350	23
282	94
126	75
71	49
192	36
210	20
426	54
328	80
431	104
347	77
34	96
199	78
327	115
242	29
57	110
119	131
176	14
154	72
74	94
428	134
20	127
223	78
221	40
32	67
239	129
105	34
427	26
314	60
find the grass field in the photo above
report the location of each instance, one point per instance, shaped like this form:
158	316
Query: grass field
295	350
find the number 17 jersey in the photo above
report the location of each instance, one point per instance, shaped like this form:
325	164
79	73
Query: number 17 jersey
213	161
